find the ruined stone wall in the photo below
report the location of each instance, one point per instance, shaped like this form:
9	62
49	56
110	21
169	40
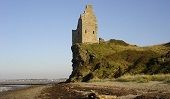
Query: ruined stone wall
86	31
77	34
89	26
74	36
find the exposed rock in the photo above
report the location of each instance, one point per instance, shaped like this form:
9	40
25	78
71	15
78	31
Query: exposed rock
115	58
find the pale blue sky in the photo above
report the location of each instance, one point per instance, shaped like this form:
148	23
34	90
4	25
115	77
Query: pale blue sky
35	35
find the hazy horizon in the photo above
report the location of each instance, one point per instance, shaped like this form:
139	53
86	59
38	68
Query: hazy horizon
35	36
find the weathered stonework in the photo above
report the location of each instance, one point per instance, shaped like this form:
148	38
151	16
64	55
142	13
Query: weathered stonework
86	31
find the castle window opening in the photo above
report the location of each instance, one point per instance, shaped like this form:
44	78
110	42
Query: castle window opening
85	31
93	32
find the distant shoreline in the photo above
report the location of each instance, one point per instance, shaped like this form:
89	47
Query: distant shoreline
23	84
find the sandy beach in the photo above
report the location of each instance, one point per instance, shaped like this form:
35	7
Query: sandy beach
100	90
25	93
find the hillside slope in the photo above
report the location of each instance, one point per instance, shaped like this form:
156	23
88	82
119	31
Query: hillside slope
115	58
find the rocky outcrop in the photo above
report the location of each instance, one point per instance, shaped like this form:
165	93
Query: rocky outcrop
82	61
115	58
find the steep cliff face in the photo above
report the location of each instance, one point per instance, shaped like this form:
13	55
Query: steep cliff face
115	58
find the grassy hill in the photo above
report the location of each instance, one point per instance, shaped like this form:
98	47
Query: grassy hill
115	58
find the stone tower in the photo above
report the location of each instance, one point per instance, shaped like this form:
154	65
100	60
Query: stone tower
86	31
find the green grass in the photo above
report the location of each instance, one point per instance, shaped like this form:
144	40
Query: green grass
144	78
102	80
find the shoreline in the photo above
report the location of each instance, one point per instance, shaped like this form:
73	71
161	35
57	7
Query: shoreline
29	92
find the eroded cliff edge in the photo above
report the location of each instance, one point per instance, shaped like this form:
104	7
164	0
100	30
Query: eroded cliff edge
115	58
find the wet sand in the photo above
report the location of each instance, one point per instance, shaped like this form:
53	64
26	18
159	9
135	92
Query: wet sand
25	93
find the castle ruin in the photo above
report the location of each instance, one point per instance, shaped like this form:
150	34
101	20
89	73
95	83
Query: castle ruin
86	31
